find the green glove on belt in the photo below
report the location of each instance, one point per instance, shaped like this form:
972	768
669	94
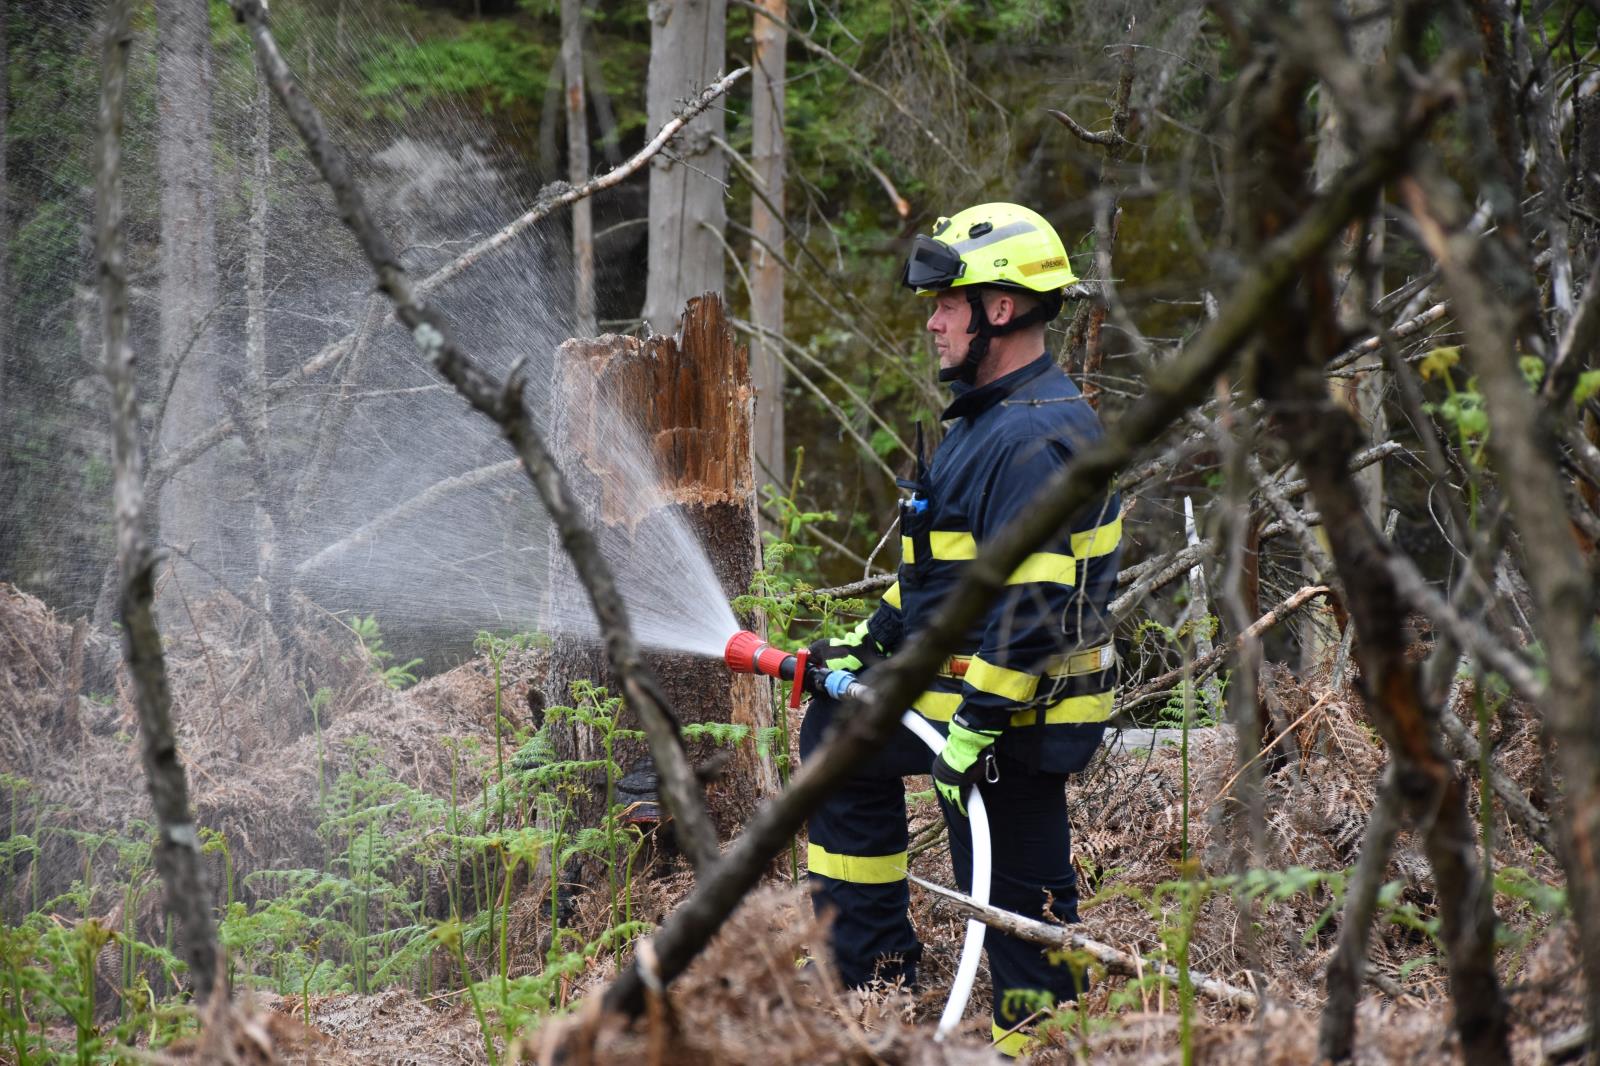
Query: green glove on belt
967	758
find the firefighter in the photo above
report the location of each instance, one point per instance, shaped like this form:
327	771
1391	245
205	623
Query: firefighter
1024	701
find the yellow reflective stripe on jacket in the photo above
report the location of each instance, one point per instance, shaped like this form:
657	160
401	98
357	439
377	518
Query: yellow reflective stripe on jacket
1074	710
858	869
891	596
1013	685
952	546
938	706
1046	566
944	545
1008	1043
1101	540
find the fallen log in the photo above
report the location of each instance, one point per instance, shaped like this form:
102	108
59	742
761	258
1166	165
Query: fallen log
1115	960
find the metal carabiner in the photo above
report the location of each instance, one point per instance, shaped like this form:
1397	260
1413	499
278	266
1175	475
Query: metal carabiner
991	769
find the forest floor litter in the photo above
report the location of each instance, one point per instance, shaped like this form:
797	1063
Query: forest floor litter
763	992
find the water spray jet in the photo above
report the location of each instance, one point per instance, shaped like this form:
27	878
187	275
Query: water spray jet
747	653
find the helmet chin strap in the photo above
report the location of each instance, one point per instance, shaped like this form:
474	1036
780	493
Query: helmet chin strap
983	331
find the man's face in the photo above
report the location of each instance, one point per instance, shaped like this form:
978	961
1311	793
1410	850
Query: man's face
948	323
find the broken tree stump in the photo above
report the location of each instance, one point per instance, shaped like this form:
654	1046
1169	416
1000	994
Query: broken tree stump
690	400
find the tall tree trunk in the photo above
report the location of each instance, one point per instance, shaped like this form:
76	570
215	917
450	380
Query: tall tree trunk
689	396
767	157
1362	395
5	225
271	587
578	169
177	854
687	212
188	512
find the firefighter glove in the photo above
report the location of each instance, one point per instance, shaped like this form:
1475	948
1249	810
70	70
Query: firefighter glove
967	758
854	651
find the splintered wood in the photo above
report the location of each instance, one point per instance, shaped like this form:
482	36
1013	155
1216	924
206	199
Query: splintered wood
689	394
689	397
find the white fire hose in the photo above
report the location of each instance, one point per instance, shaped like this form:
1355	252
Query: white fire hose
747	653
972	947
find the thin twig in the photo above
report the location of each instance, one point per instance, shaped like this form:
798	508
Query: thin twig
865	82
1205	665
1104	137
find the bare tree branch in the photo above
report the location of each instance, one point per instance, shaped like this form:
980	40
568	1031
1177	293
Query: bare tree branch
1336	1028
1415	588
415	505
1104	137
1062	938
1297	343
1522	449
1205	665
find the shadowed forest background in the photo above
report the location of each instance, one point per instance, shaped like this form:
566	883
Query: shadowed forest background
1336	308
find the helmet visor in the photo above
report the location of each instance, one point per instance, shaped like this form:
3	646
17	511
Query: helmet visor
932	264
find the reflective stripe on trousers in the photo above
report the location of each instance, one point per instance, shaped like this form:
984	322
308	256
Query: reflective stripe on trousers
859	833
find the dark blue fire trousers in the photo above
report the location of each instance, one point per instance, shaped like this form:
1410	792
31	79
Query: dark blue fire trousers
857	854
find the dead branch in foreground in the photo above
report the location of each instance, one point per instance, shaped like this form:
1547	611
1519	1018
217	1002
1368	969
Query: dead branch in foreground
1522	447
1062	938
503	402
1298	340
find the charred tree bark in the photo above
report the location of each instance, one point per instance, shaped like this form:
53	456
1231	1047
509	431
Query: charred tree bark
188	514
690	396
687	209
768	154
583	315
177	856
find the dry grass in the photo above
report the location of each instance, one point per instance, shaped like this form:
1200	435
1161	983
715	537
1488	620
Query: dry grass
251	759
253	772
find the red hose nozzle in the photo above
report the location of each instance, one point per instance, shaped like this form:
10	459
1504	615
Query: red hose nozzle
747	653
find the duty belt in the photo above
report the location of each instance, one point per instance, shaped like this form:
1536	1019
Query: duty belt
1075	664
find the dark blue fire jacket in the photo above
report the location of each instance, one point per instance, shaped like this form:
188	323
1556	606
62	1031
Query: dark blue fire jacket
1040	665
